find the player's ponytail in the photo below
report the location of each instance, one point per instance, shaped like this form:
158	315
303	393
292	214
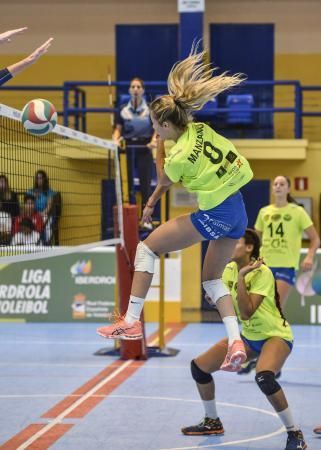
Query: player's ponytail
190	84
289	197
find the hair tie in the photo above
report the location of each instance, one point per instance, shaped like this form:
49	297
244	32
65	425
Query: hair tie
178	102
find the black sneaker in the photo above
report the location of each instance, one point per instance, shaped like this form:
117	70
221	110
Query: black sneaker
247	367
295	441
207	426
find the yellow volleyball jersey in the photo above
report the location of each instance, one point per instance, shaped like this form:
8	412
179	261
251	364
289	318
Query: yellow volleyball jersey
266	322
207	164
281	230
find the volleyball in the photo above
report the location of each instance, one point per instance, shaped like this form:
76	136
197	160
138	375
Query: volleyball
39	117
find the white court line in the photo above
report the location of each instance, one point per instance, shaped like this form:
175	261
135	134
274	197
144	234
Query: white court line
233	405
67	411
189	400
26	341
156	340
209	344
144	367
142	397
225	444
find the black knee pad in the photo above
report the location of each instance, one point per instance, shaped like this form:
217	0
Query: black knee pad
198	375
267	383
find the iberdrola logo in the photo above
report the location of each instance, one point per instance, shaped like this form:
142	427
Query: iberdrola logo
81	268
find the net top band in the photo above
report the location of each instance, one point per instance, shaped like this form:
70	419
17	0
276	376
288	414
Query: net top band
15	114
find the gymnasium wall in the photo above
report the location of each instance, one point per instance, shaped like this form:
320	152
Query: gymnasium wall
84	48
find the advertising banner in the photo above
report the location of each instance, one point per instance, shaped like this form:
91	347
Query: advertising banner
304	303
75	287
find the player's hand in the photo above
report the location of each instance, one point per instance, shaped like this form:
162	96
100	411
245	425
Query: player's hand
36	54
251	266
7	35
120	142
147	214
152	144
307	264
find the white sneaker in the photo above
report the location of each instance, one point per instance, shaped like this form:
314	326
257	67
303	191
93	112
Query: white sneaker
147	226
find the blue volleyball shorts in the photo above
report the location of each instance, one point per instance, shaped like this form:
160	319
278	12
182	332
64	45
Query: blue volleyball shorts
256	346
286	274
229	219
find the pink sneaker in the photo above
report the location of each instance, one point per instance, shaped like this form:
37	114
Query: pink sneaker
122	330
235	356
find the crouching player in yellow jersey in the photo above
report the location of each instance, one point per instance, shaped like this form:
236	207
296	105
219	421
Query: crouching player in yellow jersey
265	333
208	165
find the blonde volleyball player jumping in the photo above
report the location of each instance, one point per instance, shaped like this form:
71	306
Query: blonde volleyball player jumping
209	165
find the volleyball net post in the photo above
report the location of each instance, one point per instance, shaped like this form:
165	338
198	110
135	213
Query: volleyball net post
86	171
161	350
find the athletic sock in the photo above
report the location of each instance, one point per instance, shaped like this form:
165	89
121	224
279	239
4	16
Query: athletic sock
287	419
210	408
232	328
135	306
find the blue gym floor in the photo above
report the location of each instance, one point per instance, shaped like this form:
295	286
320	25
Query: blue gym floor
41	364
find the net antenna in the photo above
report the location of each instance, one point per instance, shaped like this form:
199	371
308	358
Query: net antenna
110	96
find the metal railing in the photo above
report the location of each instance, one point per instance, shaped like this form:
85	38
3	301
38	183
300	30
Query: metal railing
75	96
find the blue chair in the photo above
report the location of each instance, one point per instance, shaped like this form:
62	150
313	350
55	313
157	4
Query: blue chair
240	109
208	111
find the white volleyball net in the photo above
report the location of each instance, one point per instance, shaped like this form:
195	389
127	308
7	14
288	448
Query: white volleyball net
58	193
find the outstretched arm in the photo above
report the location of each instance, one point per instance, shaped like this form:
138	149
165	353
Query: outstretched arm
163	183
31	59
7	35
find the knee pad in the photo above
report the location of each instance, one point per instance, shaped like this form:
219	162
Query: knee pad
215	289
144	259
198	375
267	383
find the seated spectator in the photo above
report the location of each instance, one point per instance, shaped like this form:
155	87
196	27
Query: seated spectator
27	235
9	199
29	212
42	193
5	227
43	201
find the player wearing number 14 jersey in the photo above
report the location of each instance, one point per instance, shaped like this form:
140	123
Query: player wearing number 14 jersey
208	165
281	225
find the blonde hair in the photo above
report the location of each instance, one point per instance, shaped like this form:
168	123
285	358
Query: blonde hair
191	84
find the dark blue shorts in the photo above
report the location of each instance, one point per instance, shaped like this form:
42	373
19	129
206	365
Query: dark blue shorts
229	219
286	274
256	346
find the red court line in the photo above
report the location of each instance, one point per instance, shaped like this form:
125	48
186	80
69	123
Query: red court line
84	402
69	400
43	442
92	401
